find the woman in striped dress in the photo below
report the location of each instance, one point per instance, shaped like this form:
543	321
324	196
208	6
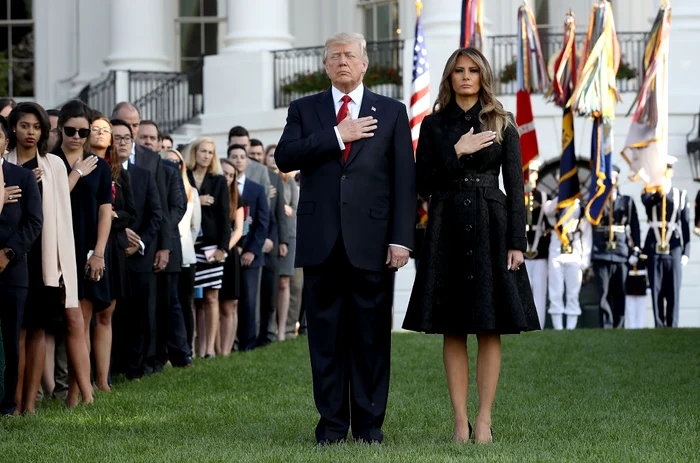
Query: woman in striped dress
204	172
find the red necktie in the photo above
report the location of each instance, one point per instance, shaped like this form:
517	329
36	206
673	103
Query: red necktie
342	114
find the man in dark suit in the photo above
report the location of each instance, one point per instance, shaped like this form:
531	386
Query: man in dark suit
252	257
136	314
20	224
355	225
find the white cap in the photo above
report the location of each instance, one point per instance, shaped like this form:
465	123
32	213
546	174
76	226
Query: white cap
671	160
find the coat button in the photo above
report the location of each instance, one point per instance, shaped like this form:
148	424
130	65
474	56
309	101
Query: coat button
343	177
468	202
477	179
468	117
468	228
470	252
470	277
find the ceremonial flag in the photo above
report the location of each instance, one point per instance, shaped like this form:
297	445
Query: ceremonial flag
561	90
472	25
646	149
595	96
420	85
532	77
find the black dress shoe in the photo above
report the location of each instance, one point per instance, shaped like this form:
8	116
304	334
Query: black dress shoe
329	442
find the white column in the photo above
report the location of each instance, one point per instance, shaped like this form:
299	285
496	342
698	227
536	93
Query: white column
137	36
441	25
258	25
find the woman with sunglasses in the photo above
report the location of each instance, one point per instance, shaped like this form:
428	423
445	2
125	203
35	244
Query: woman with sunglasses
101	143
91	201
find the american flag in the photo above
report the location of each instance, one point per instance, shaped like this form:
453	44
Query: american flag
420	86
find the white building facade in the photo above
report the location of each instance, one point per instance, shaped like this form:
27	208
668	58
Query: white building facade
203	66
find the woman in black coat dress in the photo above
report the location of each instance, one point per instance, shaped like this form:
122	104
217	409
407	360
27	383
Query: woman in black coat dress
470	279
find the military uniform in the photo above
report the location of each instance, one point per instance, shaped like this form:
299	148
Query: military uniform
636	293
536	257
567	263
667	245
610	254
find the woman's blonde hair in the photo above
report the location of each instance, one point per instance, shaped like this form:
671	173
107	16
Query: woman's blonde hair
183	171
492	115
214	167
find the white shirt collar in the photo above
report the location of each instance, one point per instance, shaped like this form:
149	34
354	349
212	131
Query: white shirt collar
241	179
356	94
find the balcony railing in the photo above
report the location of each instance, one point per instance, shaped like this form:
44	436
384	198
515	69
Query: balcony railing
504	50
299	71
101	96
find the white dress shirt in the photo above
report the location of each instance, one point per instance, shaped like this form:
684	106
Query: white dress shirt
241	184
353	107
125	165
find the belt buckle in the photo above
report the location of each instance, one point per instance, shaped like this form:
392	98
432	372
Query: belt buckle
611	245
567	249
662	248
531	254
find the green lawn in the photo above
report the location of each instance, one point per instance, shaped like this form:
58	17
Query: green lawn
587	395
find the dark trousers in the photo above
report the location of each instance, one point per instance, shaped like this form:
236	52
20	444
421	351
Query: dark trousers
185	290
12	301
296	285
610	282
132	321
269	290
348	313
664	274
248	316
170	333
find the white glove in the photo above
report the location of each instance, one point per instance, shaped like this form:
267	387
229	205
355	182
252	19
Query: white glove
696	230
633	260
684	260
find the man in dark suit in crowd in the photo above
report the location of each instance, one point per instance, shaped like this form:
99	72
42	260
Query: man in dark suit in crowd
252	257
20	224
170	333
135	315
256	171
356	224
275	247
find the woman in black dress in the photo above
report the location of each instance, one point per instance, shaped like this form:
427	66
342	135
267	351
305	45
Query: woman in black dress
204	172
474	242
101	143
91	202
231	287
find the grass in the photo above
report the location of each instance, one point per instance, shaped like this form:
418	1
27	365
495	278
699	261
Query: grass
587	395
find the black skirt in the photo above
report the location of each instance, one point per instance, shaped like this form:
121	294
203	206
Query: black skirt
231	284
118	274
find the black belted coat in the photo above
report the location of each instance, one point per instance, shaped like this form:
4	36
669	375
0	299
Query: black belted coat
462	283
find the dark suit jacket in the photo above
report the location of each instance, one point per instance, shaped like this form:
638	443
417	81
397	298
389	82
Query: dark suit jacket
177	206
278	230
216	220
370	199
259	212
148	217
20	224
125	209
149	160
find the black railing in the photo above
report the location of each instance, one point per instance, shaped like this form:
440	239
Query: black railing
299	71
170	99
504	50
101	96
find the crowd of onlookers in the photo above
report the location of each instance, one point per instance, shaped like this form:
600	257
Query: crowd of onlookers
120	253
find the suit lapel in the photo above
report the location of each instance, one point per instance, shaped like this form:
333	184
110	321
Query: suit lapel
367	108
326	110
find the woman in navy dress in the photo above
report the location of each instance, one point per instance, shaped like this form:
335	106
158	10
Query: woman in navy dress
91	202
470	279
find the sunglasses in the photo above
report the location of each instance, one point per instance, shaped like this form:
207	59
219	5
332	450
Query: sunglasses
70	132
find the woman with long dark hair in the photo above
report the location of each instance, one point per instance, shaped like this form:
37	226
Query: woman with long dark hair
469	279
91	202
101	143
231	288
53	276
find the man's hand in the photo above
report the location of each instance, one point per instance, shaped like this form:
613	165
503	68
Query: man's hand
354	129
12	194
3	260
471	143
288	211
284	250
247	258
396	257
515	259
132	250
161	260
134	239
267	247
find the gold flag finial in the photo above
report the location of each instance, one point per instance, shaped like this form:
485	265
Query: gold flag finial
419	6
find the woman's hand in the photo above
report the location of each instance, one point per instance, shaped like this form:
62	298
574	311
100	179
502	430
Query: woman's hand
97	267
515	259
38	173
86	165
288	211
218	256
206	200
471	143
12	194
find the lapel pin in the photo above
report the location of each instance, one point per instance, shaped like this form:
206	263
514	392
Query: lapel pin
373	109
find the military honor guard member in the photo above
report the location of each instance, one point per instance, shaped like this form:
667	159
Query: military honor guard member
636	292
569	256
667	245
612	251
538	229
